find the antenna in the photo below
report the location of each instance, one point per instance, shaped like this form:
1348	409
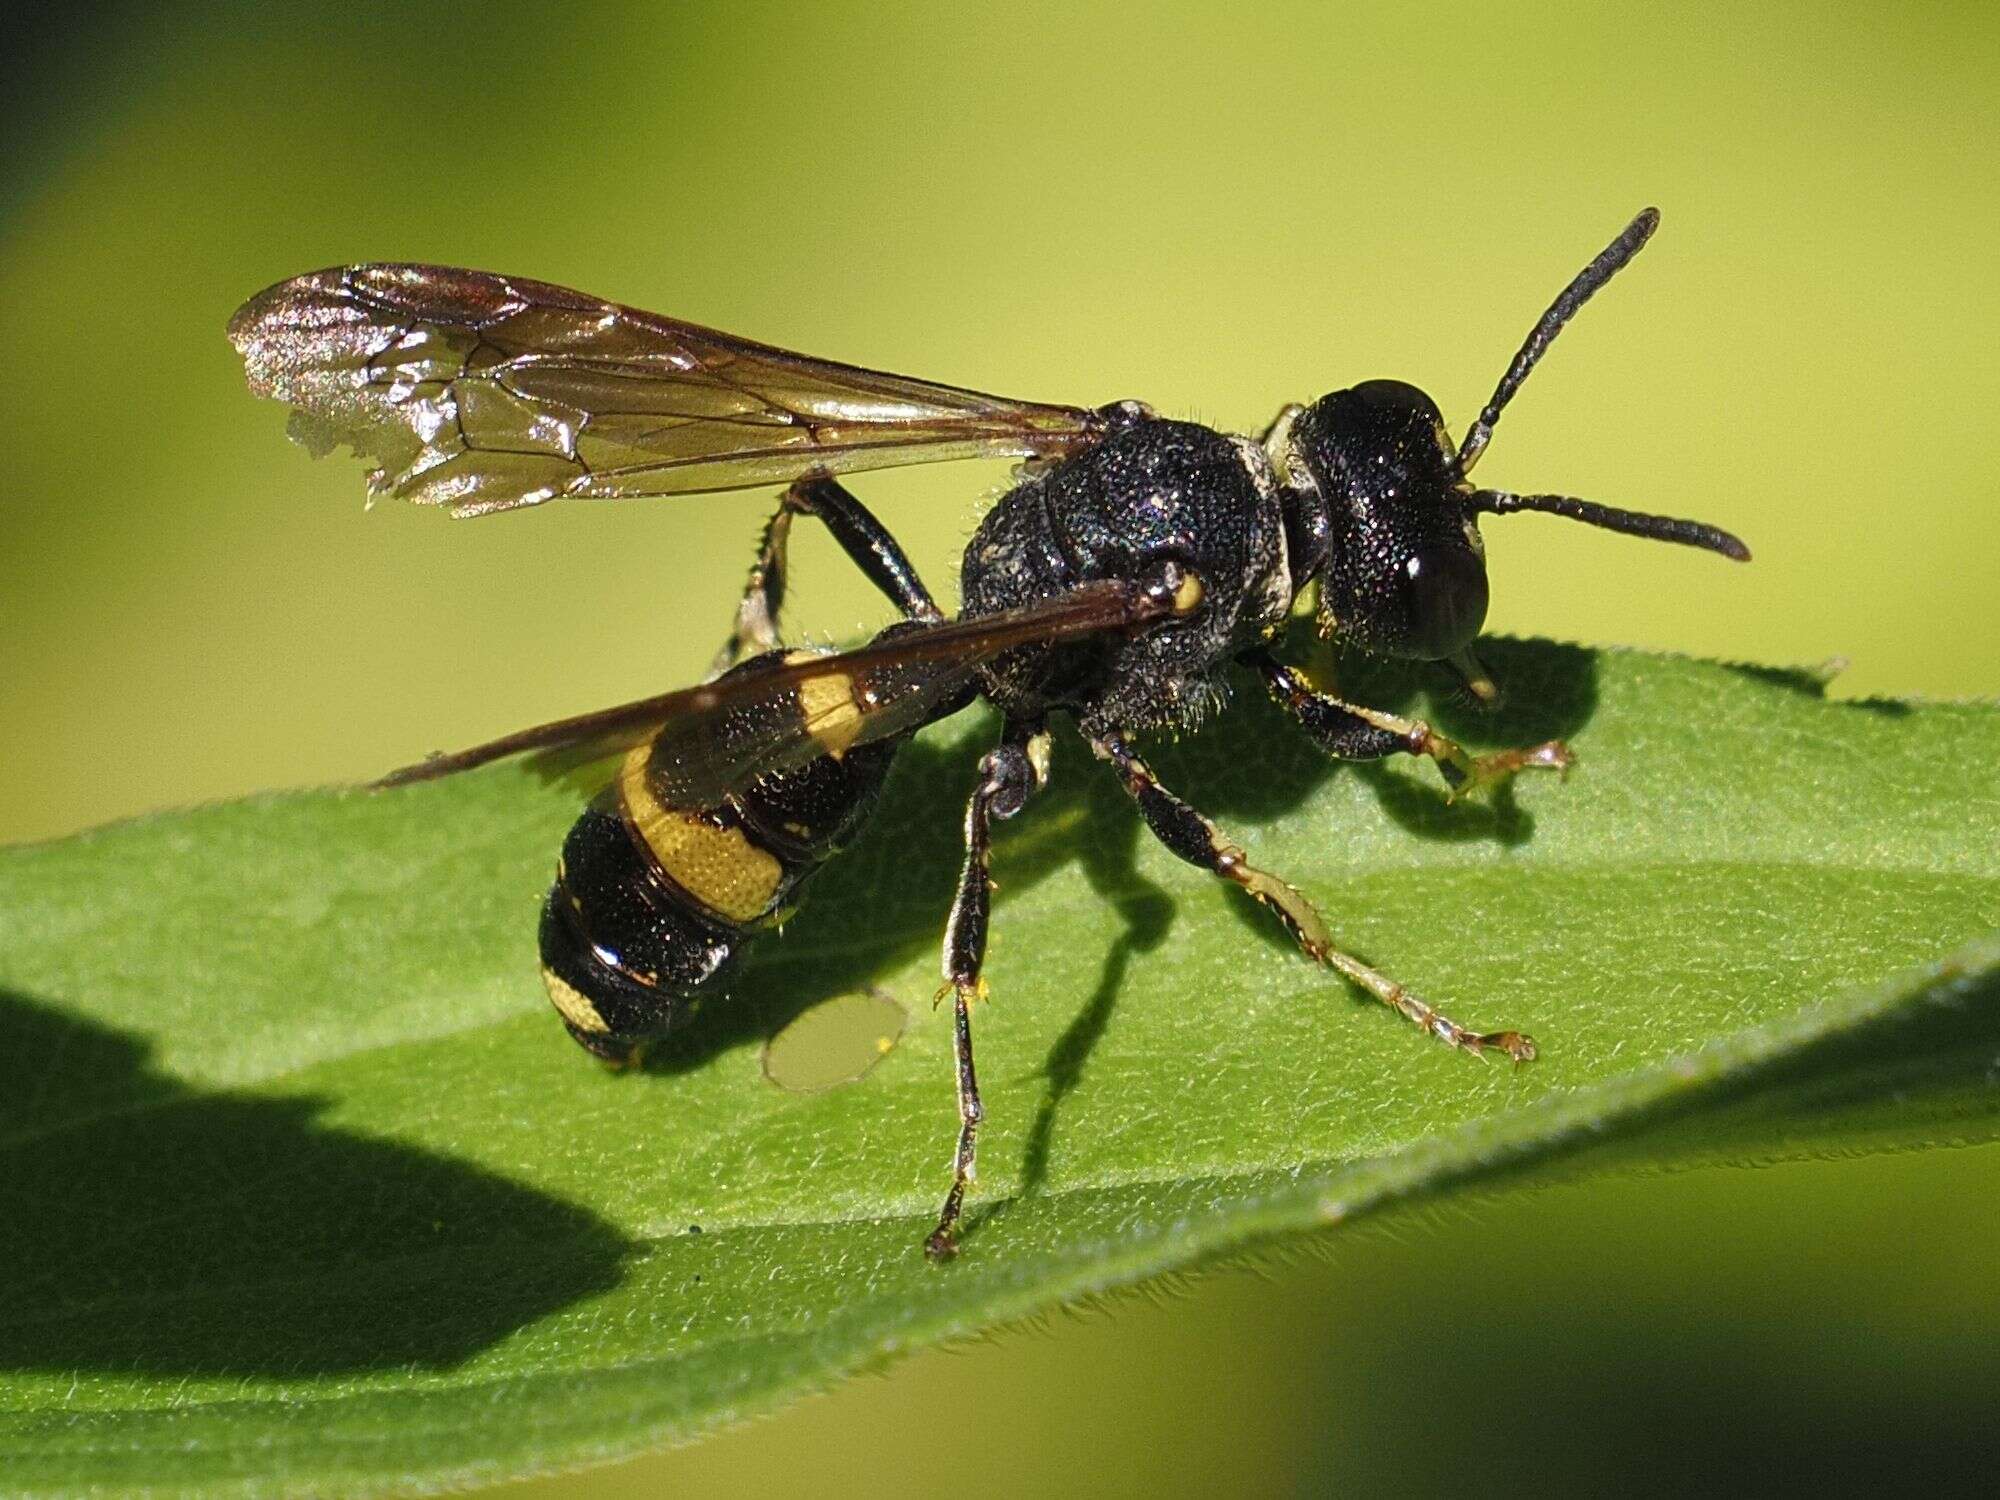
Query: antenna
1607	265
1631	522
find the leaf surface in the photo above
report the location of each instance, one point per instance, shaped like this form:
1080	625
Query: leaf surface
302	1187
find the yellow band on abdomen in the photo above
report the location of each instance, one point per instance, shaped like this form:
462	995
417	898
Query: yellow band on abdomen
719	867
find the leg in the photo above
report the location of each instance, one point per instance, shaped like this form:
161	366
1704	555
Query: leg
863	538
1191	836
1006	778
1351	732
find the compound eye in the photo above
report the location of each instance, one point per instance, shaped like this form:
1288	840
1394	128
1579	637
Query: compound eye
1444	592
1394	396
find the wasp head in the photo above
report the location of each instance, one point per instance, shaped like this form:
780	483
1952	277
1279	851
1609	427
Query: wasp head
1399	561
1381	513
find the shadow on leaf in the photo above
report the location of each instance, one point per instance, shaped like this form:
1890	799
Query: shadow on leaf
148	1225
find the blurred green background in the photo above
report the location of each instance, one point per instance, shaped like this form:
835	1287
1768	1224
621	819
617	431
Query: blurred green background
1215	208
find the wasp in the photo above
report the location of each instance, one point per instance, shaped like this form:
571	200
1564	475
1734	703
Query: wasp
1132	564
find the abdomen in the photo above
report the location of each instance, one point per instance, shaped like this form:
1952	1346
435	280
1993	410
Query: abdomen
653	904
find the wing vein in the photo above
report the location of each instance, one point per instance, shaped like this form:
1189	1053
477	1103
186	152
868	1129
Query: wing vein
469	389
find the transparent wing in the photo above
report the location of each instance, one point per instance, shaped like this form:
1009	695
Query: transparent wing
484	393
774	713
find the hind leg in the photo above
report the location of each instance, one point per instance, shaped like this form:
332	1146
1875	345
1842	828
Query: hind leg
1008	776
863	538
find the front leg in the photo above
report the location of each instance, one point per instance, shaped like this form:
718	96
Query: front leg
1191	836
1007	776
1352	732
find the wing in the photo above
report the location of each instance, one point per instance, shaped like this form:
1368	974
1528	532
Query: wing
776	713
485	392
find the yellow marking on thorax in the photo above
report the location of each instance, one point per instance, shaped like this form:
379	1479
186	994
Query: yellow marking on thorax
719	867
827	704
574	1004
1188	596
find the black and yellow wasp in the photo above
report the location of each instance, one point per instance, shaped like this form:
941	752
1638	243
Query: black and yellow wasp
1135	560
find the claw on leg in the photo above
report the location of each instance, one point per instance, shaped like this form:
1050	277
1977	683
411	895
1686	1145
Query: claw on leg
1518	1045
1466	774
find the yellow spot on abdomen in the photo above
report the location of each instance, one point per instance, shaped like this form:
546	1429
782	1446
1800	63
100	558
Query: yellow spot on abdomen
719	867
574	1004
827	704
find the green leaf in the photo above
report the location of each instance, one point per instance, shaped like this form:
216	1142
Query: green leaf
304	1187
